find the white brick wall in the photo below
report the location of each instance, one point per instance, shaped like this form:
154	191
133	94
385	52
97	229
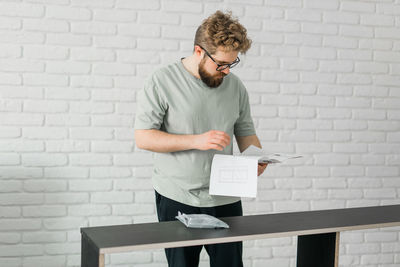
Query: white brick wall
323	78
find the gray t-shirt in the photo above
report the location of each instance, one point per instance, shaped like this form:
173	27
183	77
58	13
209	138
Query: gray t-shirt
175	101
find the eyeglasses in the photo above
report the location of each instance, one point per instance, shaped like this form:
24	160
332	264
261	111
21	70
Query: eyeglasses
221	67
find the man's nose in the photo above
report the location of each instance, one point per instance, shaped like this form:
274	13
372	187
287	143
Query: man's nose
226	71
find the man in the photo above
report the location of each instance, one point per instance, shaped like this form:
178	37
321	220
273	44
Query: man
187	112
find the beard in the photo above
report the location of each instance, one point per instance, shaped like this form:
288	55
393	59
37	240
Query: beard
210	80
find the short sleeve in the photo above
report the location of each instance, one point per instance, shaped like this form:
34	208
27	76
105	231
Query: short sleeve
150	107
244	125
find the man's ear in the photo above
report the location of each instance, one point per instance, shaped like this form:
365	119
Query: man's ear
198	51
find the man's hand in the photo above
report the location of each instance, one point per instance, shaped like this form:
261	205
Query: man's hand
213	139
261	168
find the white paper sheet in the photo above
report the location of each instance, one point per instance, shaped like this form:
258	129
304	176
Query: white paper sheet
237	175
233	176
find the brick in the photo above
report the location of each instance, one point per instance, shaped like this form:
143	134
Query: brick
311	195
303	15
369	114
264	12
107	172
336	66
43	160
332	159
105	42
10	51
180	32
89	210
352	54
63	223
133	209
371	91
44	261
387	56
299	64
19	65
282	26
88	185
387	9
70	94
138	5
45	52
94	28
334	113
290	206
10	212
21	10
96	133
10	79
341	17
10	186
10	238
66	198
68	39
68	67
158	45
371	67
68	13
363	249
368	137
325	5
114	15
140	30
45	79
375	44
21	250
357	6
22	37
340	42
45	133
46	25
113	69
311	171
318	53
19	224
90	159
20	173
380	237
345	194
111	197
44	211
114	220
181	6
9	159
45	106
318	77
314	124
66	172
367	159
67	120
279	76
39	185
136	257
10	23
318	28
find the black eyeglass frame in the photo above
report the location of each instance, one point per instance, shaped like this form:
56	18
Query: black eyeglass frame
221	67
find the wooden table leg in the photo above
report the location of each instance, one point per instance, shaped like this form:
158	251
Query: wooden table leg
90	254
319	250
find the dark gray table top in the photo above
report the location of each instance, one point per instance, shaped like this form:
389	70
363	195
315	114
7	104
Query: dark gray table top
119	238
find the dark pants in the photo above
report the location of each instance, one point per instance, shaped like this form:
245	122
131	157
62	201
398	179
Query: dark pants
225	254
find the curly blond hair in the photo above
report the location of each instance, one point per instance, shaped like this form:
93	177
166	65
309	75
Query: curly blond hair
223	31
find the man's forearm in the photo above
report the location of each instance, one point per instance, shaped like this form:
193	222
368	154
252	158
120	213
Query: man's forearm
245	141
159	141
